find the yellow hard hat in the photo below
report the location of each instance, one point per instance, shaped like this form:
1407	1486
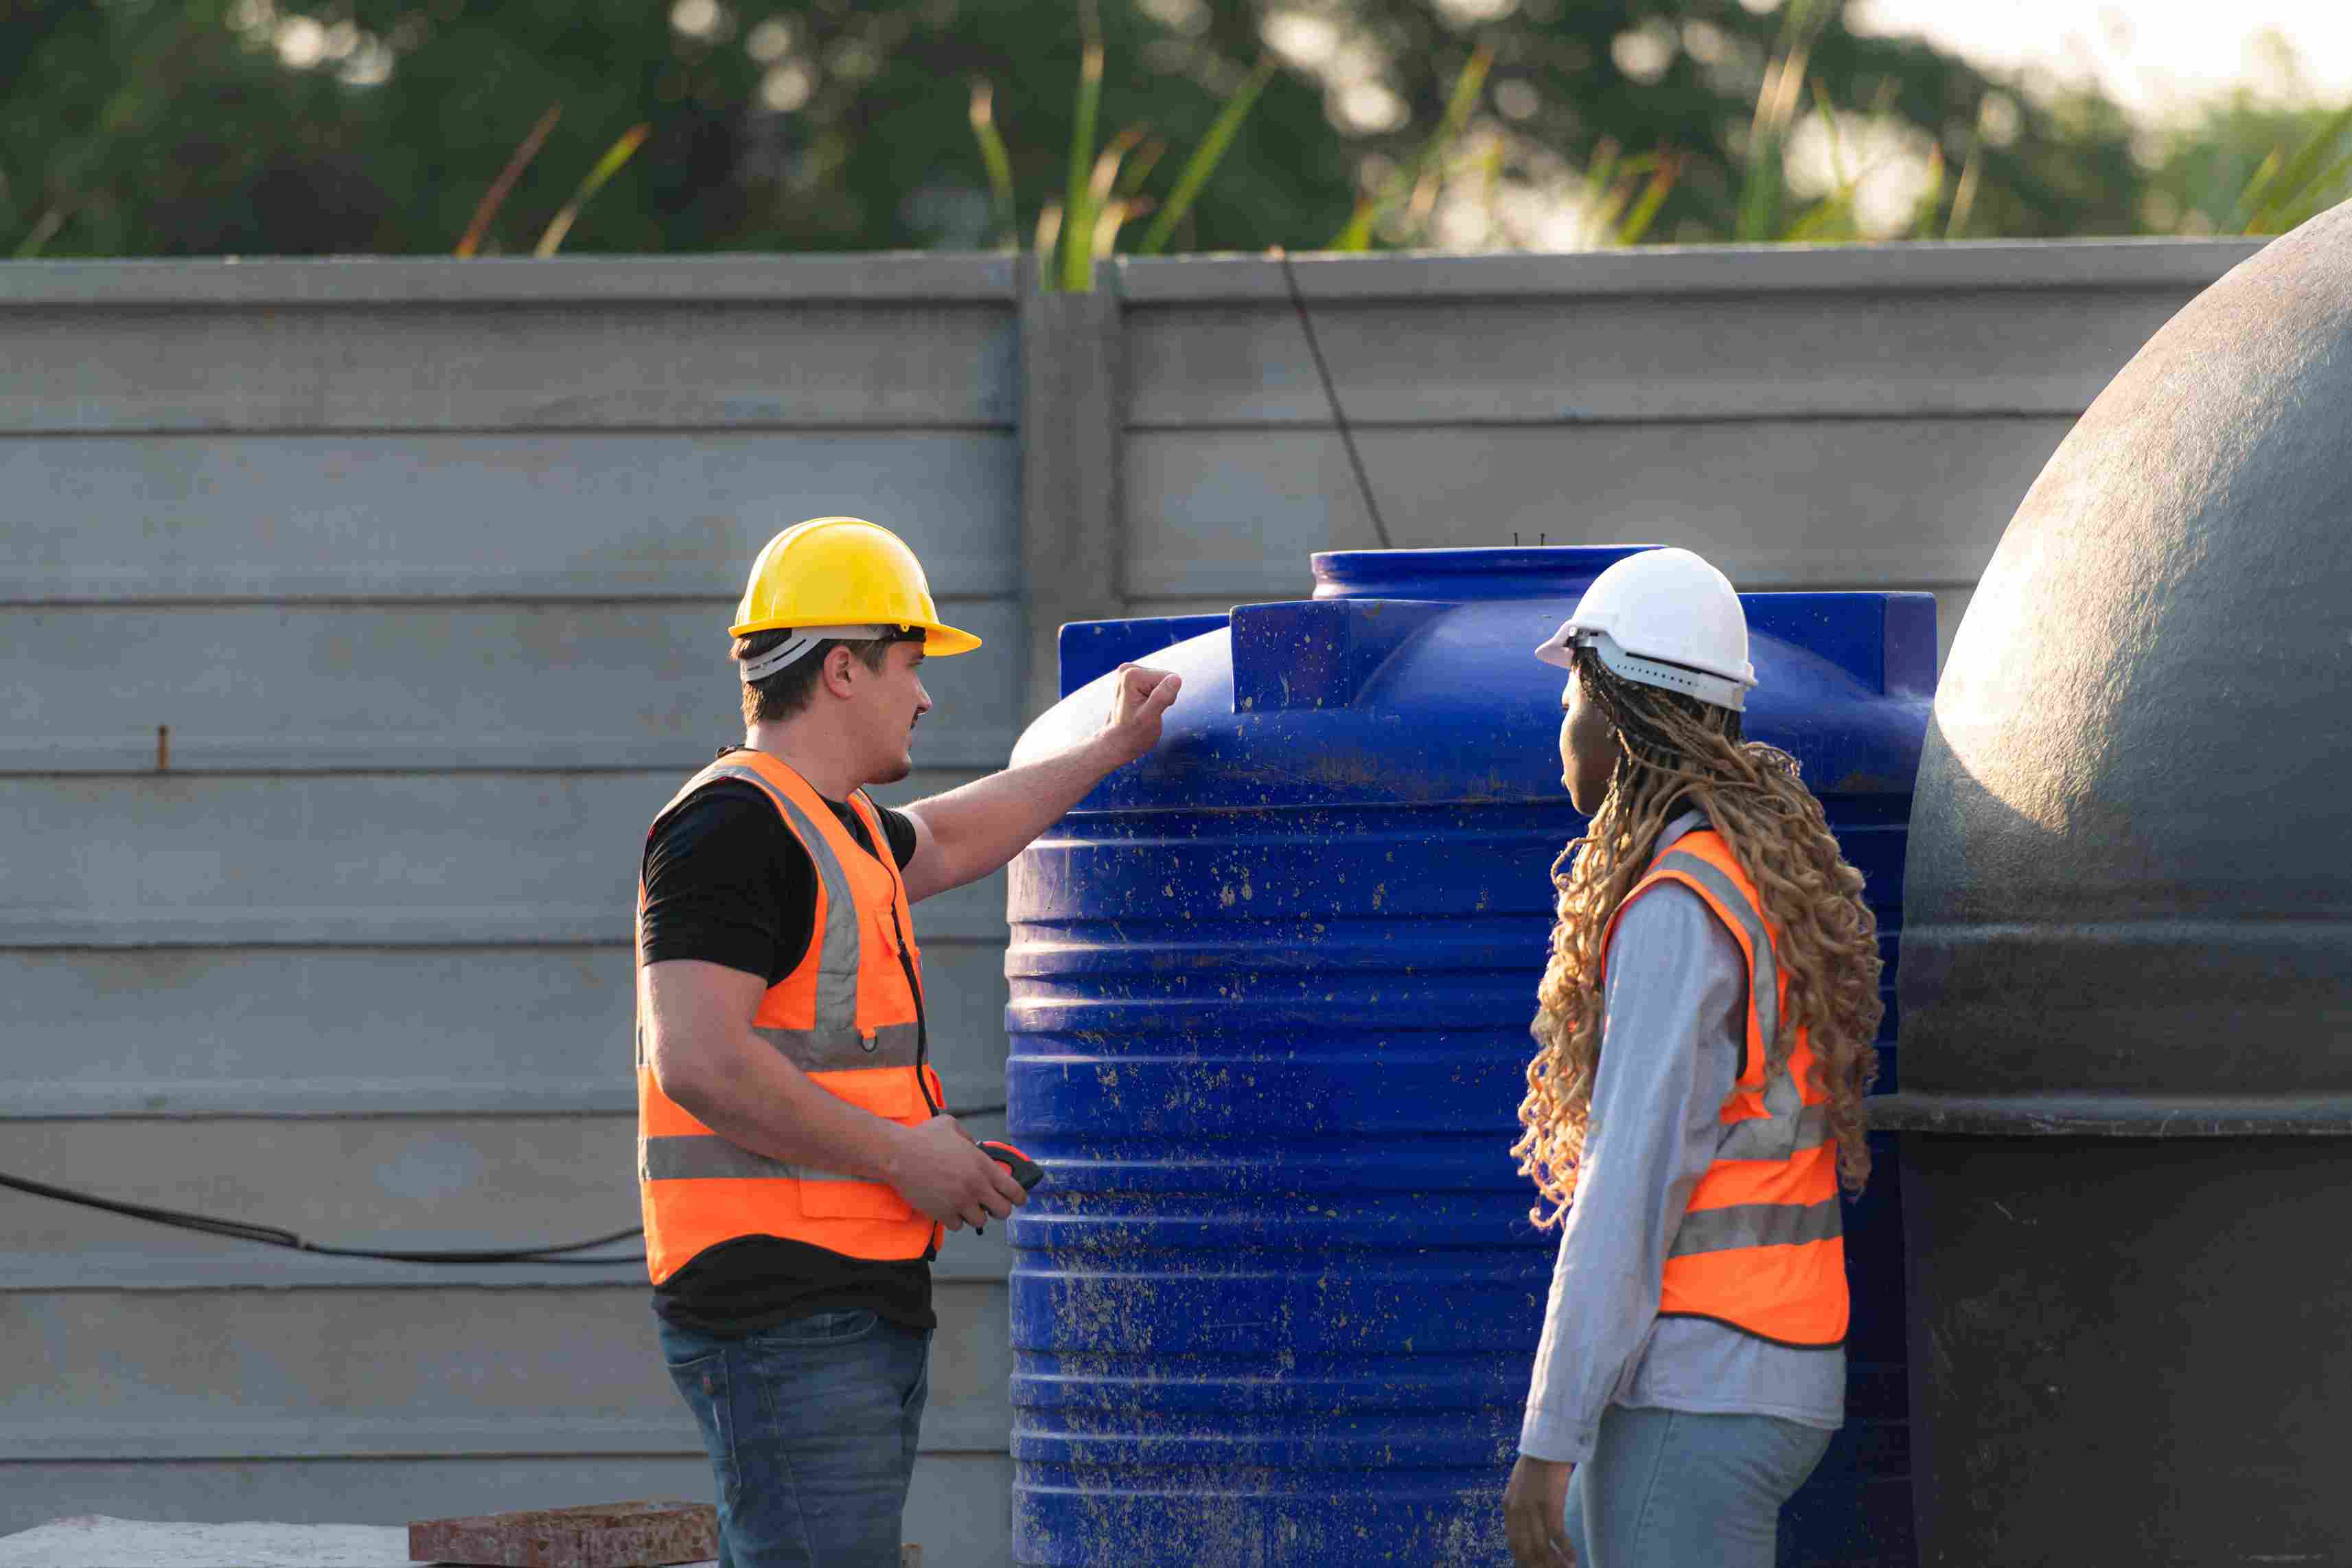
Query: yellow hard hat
842	574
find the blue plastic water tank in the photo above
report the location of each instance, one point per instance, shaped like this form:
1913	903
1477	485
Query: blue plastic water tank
1270	995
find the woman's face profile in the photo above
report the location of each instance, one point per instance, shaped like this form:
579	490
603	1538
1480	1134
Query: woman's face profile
1588	748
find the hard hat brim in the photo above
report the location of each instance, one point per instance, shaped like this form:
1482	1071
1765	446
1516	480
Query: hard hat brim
939	641
945	642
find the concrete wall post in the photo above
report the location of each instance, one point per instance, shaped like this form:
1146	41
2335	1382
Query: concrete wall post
1073	406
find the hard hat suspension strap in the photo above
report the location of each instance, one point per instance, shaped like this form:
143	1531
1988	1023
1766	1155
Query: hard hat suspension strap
802	641
1719	690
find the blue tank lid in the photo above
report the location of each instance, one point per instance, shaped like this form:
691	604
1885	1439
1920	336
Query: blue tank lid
1410	677
1503	572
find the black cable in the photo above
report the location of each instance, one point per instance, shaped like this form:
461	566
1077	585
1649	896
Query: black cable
1332	396
273	1235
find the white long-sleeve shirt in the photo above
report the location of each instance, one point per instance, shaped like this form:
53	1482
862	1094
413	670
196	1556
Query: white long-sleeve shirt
1676	997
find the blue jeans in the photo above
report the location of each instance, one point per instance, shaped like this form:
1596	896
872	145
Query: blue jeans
1668	1489
811	1428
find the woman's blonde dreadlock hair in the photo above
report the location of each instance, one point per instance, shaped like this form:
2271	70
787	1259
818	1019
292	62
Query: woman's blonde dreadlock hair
1677	754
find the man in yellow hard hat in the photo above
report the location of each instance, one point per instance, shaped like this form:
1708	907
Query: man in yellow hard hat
795	1166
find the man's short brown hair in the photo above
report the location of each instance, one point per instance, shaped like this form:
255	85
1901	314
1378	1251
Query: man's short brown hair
789	691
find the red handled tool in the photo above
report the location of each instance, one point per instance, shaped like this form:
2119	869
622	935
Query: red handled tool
1024	1169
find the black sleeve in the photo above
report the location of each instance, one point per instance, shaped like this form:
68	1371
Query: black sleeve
725	883
899	829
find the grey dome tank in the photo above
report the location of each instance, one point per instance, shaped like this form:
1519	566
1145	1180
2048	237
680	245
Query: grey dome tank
2126	984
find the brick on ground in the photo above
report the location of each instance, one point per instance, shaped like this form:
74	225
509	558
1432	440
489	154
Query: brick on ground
595	1536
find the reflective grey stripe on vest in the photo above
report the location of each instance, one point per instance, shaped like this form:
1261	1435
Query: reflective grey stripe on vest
840	1049
838	954
1789	1125
1756	1224
1764	973
708	1157
1769	1137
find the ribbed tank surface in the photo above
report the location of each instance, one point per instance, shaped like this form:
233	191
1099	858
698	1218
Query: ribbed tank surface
1278	1302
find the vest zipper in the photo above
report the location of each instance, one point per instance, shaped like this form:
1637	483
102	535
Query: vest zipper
922	1028
922	1046
922	1021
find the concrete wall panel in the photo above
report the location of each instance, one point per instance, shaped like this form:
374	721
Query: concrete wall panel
402	1182
432	686
353	859
490	514
367	1372
1218	364
1818	503
331	1031
427	366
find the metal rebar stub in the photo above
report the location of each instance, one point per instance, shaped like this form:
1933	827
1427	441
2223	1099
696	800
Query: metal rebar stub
598	1535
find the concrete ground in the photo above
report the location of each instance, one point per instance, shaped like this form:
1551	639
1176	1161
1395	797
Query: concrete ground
92	1540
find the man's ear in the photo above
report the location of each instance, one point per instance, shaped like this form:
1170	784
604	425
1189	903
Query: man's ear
835	675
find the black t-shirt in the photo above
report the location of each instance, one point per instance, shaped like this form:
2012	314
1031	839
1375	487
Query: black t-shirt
726	883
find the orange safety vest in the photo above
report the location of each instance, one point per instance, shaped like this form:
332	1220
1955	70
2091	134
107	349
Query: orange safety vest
1761	1245
849	1015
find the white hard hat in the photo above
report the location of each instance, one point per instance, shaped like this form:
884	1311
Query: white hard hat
1663	618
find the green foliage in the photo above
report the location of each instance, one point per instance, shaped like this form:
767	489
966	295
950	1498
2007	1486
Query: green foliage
1763	186
1079	207
501	188
618	153
2246	167
180	127
999	163
2290	187
1622	195
1205	158
1419	177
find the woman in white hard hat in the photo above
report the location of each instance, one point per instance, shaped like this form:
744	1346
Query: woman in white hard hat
1705	1030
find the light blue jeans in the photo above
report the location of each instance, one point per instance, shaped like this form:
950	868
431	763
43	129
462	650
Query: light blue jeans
1668	1489
811	1428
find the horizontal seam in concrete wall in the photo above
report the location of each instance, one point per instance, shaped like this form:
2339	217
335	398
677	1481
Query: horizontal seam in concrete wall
303	1440
717	603
354	1100
1856	416
291	1461
329	283
1988	267
194	757
684	761
1162	607
521	430
147	1273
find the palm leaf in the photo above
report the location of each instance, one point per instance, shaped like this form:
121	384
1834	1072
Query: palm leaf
1078	212
998	160
1654	197
1964	194
1764	183
1049	235
1205	158
1460	103
495	197
1922	211
618	153
2279	185
45	229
